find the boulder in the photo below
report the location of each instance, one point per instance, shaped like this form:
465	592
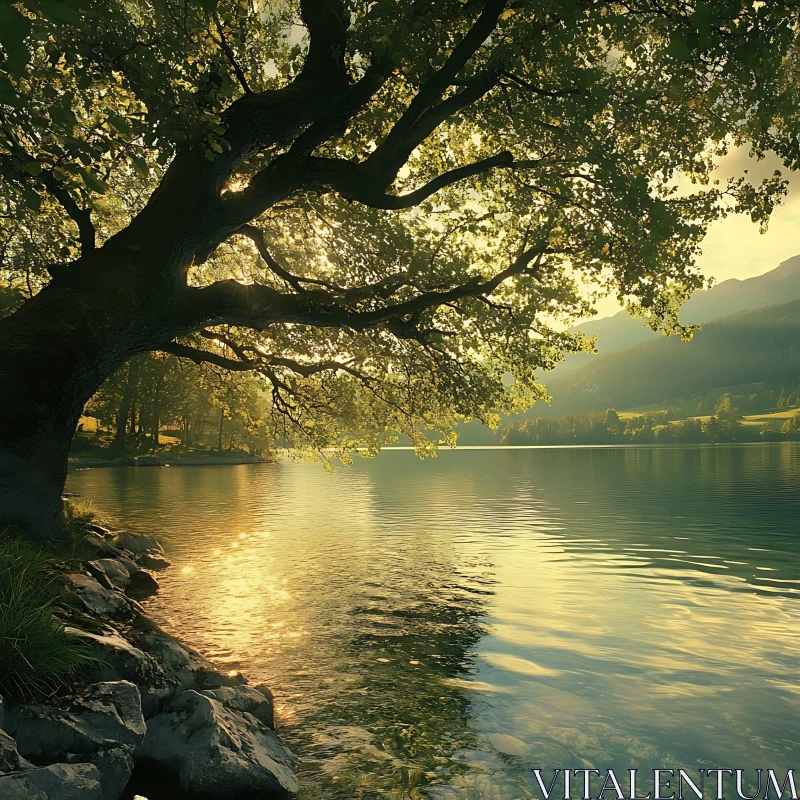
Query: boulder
97	573
54	782
247	699
153	561
180	663
111	570
219	752
120	659
136	543
9	756
93	527
141	585
103	547
87	593
183	667
106	727
128	563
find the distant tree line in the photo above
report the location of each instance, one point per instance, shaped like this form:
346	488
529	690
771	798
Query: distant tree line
659	427
753	400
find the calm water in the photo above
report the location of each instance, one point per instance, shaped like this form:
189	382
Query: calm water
436	629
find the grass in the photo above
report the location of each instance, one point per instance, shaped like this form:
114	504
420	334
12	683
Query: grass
37	657
641	411
787	413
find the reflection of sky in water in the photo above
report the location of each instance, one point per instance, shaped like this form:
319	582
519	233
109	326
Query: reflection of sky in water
454	622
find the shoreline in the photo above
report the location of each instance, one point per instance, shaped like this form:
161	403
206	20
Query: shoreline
153	718
167	460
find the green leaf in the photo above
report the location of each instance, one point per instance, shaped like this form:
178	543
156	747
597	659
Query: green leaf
32	199
8	97
63	116
14	29
94	183
33	168
119	124
140	167
60	13
679	47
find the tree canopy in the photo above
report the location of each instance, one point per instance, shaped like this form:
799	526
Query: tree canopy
389	210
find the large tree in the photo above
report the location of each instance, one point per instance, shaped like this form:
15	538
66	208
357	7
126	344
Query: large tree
387	208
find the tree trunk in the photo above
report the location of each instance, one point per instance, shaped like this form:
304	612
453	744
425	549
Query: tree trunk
156	412
221	427
55	352
124	414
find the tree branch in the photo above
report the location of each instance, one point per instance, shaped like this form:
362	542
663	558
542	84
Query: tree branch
82	217
327	22
226	48
283	175
206	357
256	235
263	363
353	182
384	161
537	90
258	306
390	156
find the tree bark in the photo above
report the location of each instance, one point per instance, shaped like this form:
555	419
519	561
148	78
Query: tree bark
55	352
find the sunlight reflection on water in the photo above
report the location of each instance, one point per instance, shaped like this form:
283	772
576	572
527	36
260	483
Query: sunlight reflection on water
436	629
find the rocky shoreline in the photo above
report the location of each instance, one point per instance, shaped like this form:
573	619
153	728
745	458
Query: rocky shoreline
167	460
157	714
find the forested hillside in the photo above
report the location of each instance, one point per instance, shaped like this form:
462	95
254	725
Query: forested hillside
760	346
618	332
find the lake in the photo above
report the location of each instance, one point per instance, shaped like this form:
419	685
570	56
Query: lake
438	628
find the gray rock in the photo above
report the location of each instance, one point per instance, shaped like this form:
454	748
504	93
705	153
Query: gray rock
137	543
219	752
9	756
89	594
56	782
115	766
153	561
113	570
154	698
248	700
183	667
121	660
142	585
103	547
179	662
128	563
106	728
93	527
97	573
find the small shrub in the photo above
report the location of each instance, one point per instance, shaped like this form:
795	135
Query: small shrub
36	655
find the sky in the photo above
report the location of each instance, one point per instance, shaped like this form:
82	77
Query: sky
734	247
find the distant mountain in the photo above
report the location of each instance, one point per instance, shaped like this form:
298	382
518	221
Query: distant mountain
745	348
756	338
615	333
